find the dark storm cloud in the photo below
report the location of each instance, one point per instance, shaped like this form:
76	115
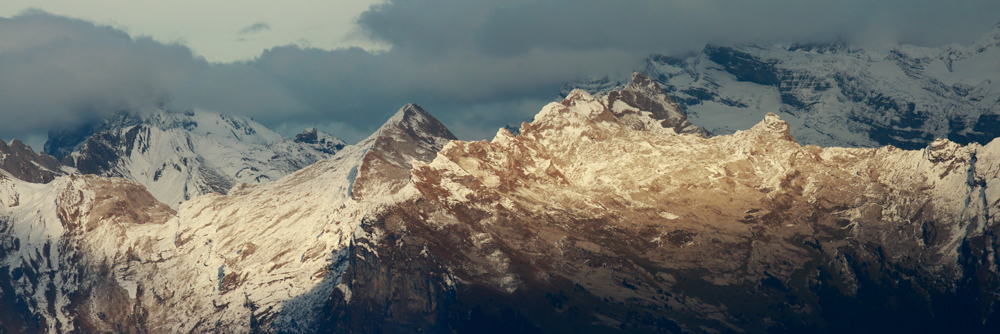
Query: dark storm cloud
364	89
57	72
255	28
478	64
512	27
474	64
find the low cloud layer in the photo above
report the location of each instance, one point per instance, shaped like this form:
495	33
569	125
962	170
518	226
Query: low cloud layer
476	65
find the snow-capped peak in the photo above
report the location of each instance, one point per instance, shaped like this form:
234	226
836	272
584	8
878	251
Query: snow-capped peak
619	216
313	136
181	155
417	123
645	95
410	135
774	127
407	111
835	95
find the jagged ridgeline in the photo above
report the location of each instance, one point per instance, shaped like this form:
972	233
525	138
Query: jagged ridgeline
835	94
608	213
180	155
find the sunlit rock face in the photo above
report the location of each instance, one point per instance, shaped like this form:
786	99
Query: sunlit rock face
606	213
613	226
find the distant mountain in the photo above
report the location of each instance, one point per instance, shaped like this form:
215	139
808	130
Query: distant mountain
837	95
224	258
641	100
180	155
599	217
320	141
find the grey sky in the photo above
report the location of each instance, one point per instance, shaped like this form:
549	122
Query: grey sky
474	64
211	28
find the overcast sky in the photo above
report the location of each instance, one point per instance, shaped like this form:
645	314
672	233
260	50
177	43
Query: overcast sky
346	66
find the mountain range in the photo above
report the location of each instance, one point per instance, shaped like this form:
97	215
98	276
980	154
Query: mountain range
608	212
835	94
181	155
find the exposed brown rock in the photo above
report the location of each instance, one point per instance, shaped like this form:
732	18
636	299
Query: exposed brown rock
23	163
411	135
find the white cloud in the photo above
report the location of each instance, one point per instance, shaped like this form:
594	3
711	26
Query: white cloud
211	28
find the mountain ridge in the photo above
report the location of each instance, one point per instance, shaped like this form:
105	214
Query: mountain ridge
147	264
835	94
181	155
596	217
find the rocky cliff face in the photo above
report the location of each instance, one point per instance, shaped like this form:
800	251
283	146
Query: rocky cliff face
645	95
66	250
835	94
598	217
319	140
643	105
582	222
410	135
23	163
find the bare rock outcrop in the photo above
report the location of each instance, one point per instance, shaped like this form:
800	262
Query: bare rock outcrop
23	163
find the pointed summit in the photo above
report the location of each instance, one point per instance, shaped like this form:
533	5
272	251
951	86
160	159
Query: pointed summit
411	120
181	155
773	127
644	94
412	134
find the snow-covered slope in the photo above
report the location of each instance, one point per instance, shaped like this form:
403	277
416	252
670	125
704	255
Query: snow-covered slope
837	95
643	105
263	256
65	252
276	252
643	95
178	156
596	217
